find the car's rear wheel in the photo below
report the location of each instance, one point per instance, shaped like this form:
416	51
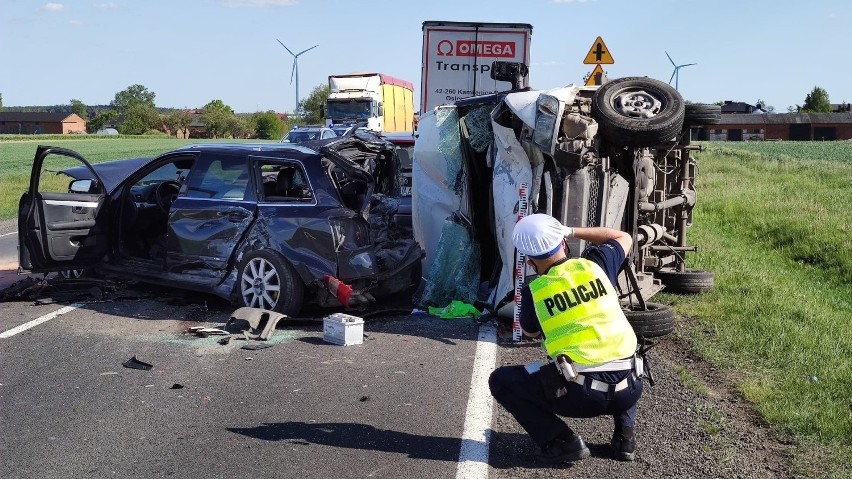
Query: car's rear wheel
268	281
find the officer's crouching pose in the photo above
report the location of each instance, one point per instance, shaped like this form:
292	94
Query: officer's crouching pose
586	335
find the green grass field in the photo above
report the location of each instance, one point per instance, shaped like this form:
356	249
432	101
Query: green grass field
772	224
16	157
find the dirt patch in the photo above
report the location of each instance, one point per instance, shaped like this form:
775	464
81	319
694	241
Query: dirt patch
698	427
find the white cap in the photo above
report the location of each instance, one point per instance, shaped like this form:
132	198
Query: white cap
539	235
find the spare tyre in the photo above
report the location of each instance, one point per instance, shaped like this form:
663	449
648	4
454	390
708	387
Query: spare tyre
638	111
691	281
702	114
654	321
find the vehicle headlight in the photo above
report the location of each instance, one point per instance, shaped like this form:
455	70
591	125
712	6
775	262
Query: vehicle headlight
547	112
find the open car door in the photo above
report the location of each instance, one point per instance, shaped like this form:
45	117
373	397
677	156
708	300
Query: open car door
58	224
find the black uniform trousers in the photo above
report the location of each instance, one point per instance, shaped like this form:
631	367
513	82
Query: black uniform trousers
536	400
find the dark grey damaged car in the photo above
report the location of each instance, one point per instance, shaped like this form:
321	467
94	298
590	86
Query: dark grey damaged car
265	225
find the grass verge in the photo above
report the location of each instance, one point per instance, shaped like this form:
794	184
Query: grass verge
17	152
775	231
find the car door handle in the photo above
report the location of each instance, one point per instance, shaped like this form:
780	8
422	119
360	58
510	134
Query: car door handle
235	217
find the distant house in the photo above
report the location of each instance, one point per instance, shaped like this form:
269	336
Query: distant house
779	126
841	107
40	123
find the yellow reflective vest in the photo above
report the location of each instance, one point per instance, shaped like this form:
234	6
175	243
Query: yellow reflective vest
580	314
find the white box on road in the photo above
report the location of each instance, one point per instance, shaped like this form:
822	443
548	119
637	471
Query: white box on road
343	329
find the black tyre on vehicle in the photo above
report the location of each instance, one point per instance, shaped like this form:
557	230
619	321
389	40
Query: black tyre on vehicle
71	273
702	114
638	112
654	321
267	281
691	281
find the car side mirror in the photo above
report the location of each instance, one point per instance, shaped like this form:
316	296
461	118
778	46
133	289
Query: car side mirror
512	72
83	186
381	110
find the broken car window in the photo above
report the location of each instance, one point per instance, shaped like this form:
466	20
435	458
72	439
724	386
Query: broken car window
284	181
224	178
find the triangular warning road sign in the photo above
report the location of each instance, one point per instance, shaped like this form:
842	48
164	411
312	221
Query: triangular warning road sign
599	54
597	77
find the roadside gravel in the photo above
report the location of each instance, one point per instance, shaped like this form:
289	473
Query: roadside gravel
683	430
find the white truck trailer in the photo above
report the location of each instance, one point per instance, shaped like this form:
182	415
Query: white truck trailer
457	59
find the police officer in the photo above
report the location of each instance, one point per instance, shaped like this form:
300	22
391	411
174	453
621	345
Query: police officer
592	371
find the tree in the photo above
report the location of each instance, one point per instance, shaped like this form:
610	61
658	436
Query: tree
80	109
177	122
816	102
215	116
1	101
138	119
133	95
763	106
101	119
239	126
310	109
267	126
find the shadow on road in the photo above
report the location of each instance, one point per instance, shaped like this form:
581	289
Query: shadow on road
357	436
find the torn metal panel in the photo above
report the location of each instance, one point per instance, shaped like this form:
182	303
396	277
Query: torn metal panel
511	169
254	323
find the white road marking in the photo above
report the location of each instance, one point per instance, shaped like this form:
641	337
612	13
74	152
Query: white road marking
476	436
8	234
43	319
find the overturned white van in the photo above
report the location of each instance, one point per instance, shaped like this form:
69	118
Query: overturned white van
618	155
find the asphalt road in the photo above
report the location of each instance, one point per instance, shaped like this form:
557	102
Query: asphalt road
394	406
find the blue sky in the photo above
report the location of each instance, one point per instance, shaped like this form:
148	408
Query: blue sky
189	52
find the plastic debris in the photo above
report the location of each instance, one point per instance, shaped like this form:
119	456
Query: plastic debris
254	323
204	331
341	290
134	363
456	309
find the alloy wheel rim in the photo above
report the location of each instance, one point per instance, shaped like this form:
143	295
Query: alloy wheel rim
260	284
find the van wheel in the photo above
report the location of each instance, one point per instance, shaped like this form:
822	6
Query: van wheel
702	114
654	321
638	111
268	281
691	281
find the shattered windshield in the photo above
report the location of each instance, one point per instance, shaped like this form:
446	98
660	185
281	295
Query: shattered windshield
349	109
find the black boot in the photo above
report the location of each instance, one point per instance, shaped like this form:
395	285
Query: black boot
565	448
623	444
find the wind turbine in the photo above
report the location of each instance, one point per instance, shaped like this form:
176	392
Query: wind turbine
295	71
676	72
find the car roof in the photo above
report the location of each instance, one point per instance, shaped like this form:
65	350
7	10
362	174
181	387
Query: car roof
309	128
243	147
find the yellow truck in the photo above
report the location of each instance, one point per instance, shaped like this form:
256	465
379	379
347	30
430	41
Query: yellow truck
384	103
